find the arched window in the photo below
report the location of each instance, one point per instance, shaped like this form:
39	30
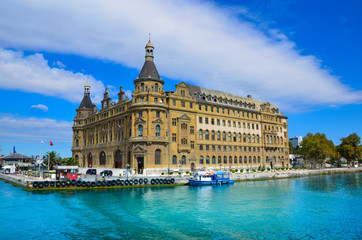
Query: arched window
281	140
254	159
249	138
156	87
207	160
230	159
213	159
234	137
267	139
258	159
239	137
257	138
244	137
218	159
225	160
275	140
201	160
218	135
77	143
140	130
183	160
118	159
241	160
174	160
235	159
102	158
249	159
90	160
207	135
142	87
253	138
200	134
224	136
229	136
158	130
245	159
213	135
158	156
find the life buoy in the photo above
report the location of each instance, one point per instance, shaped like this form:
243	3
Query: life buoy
63	183
104	183
140	181
93	184
109	183
88	184
157	181
135	182
168	181
40	185
99	183
68	183
83	184
35	184
57	184
153	181
145	180
121	182
114	182
73	182
130	182
52	184
126	182
172	180
118	181
46	184
79	183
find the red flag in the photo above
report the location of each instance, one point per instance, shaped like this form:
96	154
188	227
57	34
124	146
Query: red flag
50	142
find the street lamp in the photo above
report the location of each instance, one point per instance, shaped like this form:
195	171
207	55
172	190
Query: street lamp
220	166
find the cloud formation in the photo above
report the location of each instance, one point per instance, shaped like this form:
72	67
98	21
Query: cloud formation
33	74
41	107
33	130
195	41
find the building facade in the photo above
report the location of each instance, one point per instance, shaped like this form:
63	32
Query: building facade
192	127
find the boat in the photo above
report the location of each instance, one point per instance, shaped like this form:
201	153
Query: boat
210	178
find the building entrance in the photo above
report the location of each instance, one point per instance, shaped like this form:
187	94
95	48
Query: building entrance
140	165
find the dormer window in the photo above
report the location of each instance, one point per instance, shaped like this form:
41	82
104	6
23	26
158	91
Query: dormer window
156	87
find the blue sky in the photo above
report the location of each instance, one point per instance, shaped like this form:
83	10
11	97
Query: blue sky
304	56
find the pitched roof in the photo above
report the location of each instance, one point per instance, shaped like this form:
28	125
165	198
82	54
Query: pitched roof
86	102
149	70
15	156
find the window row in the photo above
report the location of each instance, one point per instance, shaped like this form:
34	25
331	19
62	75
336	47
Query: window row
230	160
157	131
154	88
217	99
228	122
229	148
231	137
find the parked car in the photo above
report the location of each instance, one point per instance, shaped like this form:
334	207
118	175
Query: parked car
106	173
91	172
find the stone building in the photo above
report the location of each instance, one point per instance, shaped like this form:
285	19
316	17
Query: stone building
192	127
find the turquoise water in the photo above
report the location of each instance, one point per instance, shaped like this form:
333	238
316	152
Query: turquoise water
317	207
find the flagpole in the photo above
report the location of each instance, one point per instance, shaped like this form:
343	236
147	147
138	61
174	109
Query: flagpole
49	157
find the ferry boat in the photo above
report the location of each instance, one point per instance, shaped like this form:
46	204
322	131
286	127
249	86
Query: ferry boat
209	178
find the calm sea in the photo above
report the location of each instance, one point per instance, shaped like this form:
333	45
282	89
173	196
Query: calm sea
317	207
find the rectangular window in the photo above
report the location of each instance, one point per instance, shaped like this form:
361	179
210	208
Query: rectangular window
190	105
219	148
223	111
200	107
173	102
252	126
257	126
157	114
156	100
174	121
207	148
213	148
140	114
239	125
142	99
174	137
248	125
218	122
212	121
217	110
229	123
234	124
212	109
182	104
223	122
183	93
230	148
200	119
206	120
192	143
205	108
192	130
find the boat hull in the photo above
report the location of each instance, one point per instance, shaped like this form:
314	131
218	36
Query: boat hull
193	182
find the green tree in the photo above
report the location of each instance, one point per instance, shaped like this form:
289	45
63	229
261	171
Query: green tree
69	161
349	148
316	148
54	159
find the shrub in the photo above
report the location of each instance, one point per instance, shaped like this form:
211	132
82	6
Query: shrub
162	174
254	170
282	169
268	169
241	170
187	172
171	173
179	173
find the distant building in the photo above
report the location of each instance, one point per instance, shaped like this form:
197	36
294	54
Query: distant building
192	127
296	141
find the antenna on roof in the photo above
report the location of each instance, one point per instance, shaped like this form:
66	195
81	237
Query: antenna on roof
149	37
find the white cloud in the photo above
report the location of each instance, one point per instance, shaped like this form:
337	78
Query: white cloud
195	41
33	74
41	107
59	64
33	130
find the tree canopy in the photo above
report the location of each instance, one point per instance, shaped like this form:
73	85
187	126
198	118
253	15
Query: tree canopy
317	148
349	147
